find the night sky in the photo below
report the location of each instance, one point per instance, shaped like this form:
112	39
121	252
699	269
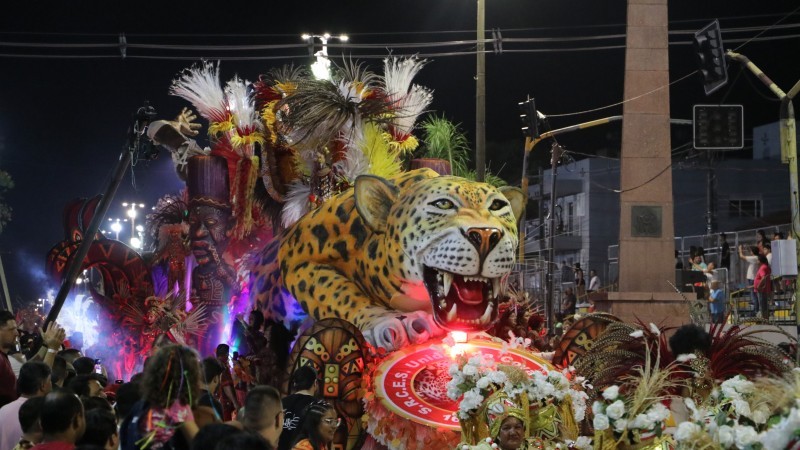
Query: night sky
63	120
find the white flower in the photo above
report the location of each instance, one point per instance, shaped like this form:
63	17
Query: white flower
470	370
483	383
760	415
725	436
642	422
658	413
600	422
472	399
686	430
611	393
498	377
637	334
654	329
620	425
686	357
779	435
745	436
475	360
615	410
578	404
454	369
742	407
693	408
583	443
598	408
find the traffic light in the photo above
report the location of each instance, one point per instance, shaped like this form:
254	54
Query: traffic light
529	117
718	127
711	57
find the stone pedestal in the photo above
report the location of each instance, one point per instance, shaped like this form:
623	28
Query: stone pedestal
660	308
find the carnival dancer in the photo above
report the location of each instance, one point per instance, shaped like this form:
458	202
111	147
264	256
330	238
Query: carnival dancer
507	422
319	427
225	390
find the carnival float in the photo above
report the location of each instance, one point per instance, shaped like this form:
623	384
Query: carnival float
389	276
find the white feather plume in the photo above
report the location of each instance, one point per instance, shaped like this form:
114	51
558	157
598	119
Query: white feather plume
200	86
296	205
408	101
241	105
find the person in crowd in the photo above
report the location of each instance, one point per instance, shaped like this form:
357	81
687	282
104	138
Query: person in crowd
594	281
171	381
580	281
777	236
225	392
33	381
87	385
127	396
59	374
263	414
320	422
29	414
62	420
210	435
304	388
762	286
101	430
84	365
716	302
70	354
569	303
243	441
678	261
724	252
8	343
752	268
212	372
92	403
535	332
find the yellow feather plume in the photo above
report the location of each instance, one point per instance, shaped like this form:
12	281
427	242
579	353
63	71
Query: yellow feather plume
384	160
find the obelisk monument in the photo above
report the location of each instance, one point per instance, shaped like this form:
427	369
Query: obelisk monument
646	235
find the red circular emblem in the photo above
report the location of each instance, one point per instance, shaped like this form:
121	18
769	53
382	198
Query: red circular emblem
412	382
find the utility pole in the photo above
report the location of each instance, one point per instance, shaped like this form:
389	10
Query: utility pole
788	151
480	98
551	241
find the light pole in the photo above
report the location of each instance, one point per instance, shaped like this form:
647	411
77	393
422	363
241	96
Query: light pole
135	241
321	68
116	227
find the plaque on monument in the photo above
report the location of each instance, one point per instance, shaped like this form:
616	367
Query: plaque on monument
646	221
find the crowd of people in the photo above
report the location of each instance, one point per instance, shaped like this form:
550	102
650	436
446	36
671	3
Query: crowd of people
61	399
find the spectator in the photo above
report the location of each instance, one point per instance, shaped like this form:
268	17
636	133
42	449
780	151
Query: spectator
304	386
320	422
101	430
8	343
84	365
594	281
263	414
210	435
580	281
29	414
243	441
70	354
92	403
752	268
678	261
212	372
225	392
724	252
568	304
33	381
762	285
127	395
62	421
59	372
87	386
716	302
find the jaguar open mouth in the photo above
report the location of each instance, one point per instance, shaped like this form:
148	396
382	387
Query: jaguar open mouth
461	302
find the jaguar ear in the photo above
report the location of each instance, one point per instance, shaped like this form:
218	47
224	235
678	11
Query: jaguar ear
374	199
516	197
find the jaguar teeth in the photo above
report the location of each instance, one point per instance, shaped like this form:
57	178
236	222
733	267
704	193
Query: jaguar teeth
496	287
487	315
447	281
451	315
442	304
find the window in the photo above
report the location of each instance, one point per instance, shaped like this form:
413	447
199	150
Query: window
745	208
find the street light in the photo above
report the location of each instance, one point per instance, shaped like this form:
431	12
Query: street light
132	214
116	227
321	67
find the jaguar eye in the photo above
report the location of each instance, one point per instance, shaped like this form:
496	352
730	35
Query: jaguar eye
497	205
443	203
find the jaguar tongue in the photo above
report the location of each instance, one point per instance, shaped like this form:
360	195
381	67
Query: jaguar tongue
470	292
